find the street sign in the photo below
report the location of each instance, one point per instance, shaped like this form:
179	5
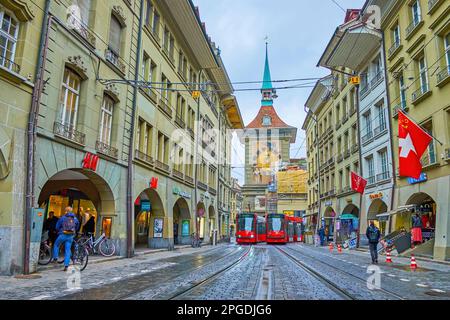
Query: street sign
196	94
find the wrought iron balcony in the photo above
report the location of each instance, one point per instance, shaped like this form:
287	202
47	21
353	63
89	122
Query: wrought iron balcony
189	179
367	137
212	191
355	148
106	149
115	60
84	31
419	93
191	132
371	180
202	185
347	153
177	174
383	176
151	93
143	157
378	77
394	48
164	106
443	75
162	166
429	158
68	132
180	122
412	26
9	64
364	89
381	128
340	157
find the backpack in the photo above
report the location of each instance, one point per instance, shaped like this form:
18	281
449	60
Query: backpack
68	225
373	234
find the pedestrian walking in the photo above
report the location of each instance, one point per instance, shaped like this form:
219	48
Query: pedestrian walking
67	227
416	231
373	234
322	235
89	226
50	226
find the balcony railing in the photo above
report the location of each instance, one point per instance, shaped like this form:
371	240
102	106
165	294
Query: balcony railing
371	180
162	166
347	153
367	137
431	4
151	93
331	161
10	65
180	122
376	78
164	106
177	174
355	148
429	158
106	149
364	89
379	129
68	132
340	157
169	54
345	118
191	132
83	31
189	179
115	60
383	176
202	186
394	48
420	92
143	157
413	25
352	111
401	106
443	75
212	191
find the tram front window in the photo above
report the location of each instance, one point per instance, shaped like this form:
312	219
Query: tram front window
275	223
245	223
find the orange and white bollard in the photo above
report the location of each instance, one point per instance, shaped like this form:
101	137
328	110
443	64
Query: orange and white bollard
331	247
339	248
413	263
388	256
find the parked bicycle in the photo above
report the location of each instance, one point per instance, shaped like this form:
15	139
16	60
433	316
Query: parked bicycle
80	255
45	251
102	245
196	242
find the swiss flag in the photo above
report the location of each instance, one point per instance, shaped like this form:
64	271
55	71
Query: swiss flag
413	142
358	183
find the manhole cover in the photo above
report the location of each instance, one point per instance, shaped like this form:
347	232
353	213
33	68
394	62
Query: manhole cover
438	294
28	276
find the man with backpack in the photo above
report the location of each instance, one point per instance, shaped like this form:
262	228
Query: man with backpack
67	227
373	234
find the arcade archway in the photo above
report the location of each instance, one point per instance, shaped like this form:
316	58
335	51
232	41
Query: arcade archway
426	207
150	220
181	222
201	211
328	220
377	207
348	225
212	220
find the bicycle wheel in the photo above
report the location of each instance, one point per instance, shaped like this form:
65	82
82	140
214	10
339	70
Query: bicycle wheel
107	248
80	257
45	255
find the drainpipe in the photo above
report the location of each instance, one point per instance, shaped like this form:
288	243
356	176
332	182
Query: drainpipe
130	202
358	111
218	168
388	103
31	134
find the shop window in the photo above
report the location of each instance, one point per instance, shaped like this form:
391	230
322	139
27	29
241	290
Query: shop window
106	226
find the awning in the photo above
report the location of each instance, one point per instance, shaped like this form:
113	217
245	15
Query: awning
310	214
401	209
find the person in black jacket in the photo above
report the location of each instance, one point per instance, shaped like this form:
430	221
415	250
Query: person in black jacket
50	226
373	234
89	227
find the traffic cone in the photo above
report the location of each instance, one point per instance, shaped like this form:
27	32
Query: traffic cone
388	256
331	246
413	263
339	248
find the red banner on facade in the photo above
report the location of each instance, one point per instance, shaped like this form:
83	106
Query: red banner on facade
358	183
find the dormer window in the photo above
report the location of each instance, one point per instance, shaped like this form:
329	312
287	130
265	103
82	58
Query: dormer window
267	121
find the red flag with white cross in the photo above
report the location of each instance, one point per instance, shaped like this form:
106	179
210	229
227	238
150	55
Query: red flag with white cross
413	142
358	183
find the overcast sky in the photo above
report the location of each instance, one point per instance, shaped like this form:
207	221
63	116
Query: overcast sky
298	32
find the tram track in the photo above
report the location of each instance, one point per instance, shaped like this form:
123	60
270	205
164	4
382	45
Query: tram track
185	292
387	292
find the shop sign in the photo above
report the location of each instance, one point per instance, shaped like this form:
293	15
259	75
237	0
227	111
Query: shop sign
423	177
158	228
181	193
154	183
90	161
374	196
145	205
289	213
328	203
352	243
185	228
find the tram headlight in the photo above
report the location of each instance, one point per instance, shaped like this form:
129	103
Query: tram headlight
252	236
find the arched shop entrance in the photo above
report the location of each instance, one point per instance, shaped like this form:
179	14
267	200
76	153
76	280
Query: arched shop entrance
201	220
347	226
377	207
150	220
181	222
426	207
212	220
84	191
328	219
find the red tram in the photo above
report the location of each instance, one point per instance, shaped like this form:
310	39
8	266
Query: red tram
283	229
250	228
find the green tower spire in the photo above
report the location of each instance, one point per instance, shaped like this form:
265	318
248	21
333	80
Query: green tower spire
267	91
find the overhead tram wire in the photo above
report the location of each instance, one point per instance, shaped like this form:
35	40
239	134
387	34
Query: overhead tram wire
337	4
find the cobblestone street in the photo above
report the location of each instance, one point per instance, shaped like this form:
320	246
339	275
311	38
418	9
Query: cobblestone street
232	272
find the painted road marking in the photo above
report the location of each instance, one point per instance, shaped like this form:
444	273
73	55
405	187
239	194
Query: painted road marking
116	278
405	280
438	290
422	285
40	297
391	275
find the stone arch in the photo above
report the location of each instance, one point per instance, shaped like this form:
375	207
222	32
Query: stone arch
377	206
419	198
351	209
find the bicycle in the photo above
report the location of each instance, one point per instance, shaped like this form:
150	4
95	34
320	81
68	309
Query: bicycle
196	242
106	247
45	251
79	257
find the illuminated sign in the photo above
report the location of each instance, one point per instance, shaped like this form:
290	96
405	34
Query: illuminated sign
423	177
196	94
354	80
374	196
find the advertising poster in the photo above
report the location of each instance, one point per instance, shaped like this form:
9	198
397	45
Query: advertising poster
185	228
158	228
